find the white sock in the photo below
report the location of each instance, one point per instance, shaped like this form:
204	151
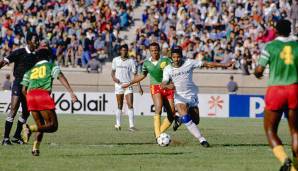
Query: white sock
195	131
130	114
118	117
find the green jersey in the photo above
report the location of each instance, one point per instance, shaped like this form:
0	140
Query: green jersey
41	76
155	70
282	57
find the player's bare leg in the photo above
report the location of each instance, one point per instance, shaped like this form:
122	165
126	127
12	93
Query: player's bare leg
119	98
130	112
293	125
190	125
271	122
195	114
170	108
15	103
157	101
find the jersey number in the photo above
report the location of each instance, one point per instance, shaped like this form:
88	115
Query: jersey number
37	73
286	55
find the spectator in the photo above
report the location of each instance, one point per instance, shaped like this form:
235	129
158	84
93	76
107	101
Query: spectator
94	66
294	16
7	83
232	86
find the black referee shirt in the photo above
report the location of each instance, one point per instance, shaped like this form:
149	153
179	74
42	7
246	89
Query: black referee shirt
23	60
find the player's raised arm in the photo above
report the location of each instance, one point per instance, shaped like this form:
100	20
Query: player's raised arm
216	65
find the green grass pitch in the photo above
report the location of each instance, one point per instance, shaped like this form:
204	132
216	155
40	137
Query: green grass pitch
91	143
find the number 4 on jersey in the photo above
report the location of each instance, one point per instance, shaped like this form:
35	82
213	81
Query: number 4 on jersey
287	55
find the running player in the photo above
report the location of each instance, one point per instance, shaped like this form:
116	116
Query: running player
37	87
186	92
155	66
282	93
123	68
23	59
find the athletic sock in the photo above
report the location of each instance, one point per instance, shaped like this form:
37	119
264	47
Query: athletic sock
36	145
21	121
33	128
280	153
118	117
195	131
156	125
165	125
130	114
192	127
8	125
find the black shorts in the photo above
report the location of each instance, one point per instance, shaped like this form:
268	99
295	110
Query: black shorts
16	88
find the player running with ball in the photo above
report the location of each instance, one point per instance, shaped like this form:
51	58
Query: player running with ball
178	76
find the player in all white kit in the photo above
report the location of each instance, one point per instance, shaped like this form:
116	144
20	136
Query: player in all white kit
185	98
123	68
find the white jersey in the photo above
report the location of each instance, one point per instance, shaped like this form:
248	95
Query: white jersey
124	69
182	78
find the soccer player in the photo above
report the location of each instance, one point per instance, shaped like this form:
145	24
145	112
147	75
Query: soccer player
123	67
282	93
178	76
23	59
37	87
154	67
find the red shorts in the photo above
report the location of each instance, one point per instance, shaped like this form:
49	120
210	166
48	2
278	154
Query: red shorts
281	97
39	99
167	93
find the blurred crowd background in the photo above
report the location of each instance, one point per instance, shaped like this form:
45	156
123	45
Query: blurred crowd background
81	32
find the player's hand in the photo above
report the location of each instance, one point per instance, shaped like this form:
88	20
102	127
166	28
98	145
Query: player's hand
170	86
74	98
116	80
141	91
125	85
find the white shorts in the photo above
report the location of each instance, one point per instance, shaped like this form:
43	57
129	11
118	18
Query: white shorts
191	101
120	90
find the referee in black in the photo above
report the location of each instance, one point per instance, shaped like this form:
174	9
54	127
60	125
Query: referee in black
23	59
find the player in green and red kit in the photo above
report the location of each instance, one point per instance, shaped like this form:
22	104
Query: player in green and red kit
37	87
154	67
282	94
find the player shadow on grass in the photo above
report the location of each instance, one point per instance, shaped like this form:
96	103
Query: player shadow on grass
125	154
242	145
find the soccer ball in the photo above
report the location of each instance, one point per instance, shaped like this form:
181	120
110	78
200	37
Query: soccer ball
164	140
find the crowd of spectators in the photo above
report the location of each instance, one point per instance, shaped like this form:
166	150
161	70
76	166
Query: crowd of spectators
76	30
218	30
210	30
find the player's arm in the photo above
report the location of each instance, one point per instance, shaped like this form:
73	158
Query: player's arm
136	79
140	87
65	83
12	57
166	80
3	62
25	82
216	65
116	80
263	61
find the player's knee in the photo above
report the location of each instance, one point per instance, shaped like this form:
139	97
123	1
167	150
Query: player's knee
196	120
185	119
53	127
120	106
